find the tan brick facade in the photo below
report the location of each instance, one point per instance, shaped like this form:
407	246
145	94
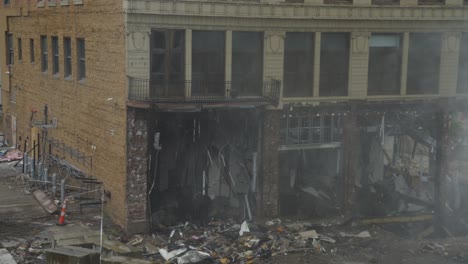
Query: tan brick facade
91	113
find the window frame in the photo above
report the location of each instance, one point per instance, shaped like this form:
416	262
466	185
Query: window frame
81	58
67	57
55	56
44	54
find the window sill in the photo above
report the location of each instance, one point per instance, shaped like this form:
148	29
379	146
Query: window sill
44	73
82	81
33	63
68	78
56	76
52	3
64	3
77	2
41	4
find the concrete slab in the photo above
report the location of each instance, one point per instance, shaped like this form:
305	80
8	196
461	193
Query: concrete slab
6	257
71	255
120	259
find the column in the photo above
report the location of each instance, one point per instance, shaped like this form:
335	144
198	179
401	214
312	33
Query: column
351	150
188	63
228	62
318	42
449	63
273	59
404	63
358	65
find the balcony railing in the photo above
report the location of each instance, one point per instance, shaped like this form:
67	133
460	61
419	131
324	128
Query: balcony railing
202	92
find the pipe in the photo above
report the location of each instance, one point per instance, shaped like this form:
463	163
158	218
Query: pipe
54	184
62	190
254	172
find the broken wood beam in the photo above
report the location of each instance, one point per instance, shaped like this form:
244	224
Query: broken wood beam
395	219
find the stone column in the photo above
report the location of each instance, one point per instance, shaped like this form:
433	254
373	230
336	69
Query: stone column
268	184
318	43
188	62
359	64
404	63
449	63
273	60
228	62
137	164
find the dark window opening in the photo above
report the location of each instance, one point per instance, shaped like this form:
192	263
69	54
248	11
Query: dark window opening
431	2
384	64
463	65
31	51
208	59
424	63
167	63
20	50
11	54
334	64
247	61
44	54
385	2
6	2
339	2
67	57
55	55
298	64
81	52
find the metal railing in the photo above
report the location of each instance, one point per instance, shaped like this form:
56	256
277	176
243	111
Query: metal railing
202	92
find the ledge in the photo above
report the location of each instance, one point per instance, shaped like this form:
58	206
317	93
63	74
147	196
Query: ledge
64	2
294	11
41	4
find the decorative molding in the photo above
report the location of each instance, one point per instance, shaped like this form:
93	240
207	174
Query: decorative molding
451	42
360	42
294	11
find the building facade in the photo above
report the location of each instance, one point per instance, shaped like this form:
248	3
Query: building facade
264	106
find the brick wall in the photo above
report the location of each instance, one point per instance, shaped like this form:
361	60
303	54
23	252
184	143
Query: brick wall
137	164
91	114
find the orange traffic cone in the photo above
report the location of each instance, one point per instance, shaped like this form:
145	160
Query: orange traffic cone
62	214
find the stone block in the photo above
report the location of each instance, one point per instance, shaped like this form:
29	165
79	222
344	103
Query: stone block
72	255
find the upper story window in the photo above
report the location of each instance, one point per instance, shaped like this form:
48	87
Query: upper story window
67	57
385	2
334	64
6	2
11	54
247	63
32	57
431	2
20	50
81	58
44	54
55	56
339	2
384	64
298	64
423	63
463	65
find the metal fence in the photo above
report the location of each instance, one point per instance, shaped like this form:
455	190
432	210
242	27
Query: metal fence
201	92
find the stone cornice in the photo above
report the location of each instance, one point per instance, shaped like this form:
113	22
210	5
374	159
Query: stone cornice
295	11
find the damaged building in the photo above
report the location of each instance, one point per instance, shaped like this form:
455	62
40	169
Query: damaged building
200	110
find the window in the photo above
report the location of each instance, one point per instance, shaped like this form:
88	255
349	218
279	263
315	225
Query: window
340	2
55	56
10	57
423	63
334	64
31	50
167	63
80	47
431	2
384	64
208	54
298	64
44	54
385	2
247	63
20	50
67	57
463	65
6	2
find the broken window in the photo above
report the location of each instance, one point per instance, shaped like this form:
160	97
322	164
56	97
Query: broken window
334	64
80	46
298	64
208	54
67	58
167	62
384	64
10	58
308	128
424	63
44	54
463	65
247	62
55	55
